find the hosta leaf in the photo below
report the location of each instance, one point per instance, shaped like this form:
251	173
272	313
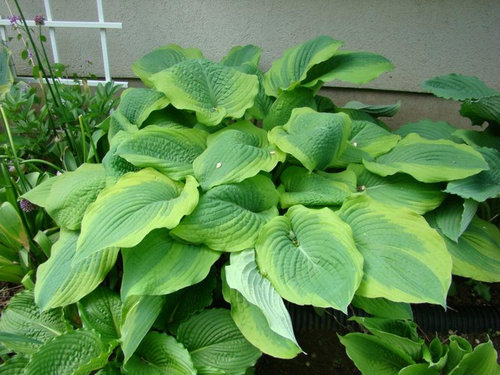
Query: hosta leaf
170	151
101	311
234	154
476	254
478	138
254	326
458	87
288	71
419	369
314	138
138	315
62	281
162	58
12	232
484	109
280	111
307	249
458	347
371	138
427	129
241	55
39	194
119	123
24	319
136	104
349	66
243	277
160	354
214	91
388	110
383	308
161	265
114	165
126	212
299	186
262	102
373	356
405	260
14	366
215	343
72	192
454	215
429	160
78	353
399	190
483	185
230	217
483	360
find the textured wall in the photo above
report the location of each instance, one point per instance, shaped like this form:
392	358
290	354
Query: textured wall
423	38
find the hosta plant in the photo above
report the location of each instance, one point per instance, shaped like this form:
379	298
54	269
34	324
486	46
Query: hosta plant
231	188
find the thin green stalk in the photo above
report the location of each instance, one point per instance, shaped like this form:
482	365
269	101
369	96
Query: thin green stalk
92	144
41	161
84	143
15	160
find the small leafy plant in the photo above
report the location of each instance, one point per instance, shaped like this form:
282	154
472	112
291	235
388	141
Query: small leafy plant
226	184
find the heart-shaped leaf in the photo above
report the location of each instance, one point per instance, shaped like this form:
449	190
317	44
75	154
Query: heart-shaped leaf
307	249
136	104
230	217
454	216
234	154
314	138
458	87
161	265
214	91
242	55
427	129
126	212
405	260
61	282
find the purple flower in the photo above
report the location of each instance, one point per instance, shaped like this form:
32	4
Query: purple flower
14	20
39	20
30	54
26	205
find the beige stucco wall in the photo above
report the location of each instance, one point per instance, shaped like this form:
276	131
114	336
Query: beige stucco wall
423	38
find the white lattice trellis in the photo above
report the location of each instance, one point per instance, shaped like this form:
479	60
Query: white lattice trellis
52	25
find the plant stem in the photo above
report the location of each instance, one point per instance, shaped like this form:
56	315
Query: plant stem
92	144
84	143
41	161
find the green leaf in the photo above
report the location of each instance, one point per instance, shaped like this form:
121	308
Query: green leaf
454	216
484	109
160	354
405	260
78	352
126	212
136	104
258	309
14	366
114	165
484	185
427	129
429	160
371	138
419	369
161	265
280	111
162	58
399	190
483	360
138	315
101	311
262	102
383	308
349	66
234	154
388	110
477	138
215	343
12	232
313	138
299	186
476	254
72	192
458	87
287	72
242	55
62	281
307	249
214	91
230	217
458	347
24	319
373	356
170	151
39	194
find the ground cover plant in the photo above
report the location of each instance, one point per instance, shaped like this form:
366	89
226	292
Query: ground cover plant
227	191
